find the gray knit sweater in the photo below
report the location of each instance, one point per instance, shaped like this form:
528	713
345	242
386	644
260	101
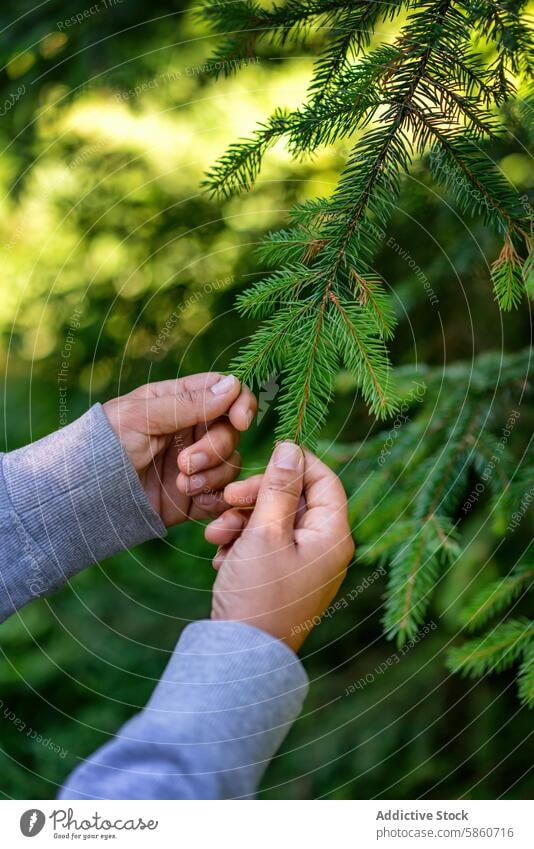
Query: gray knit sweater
229	693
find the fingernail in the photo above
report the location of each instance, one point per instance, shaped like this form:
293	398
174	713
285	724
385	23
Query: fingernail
224	385
195	483
197	461
287	456
250	417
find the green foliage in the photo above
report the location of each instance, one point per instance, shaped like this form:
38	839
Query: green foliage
505	643
100	210
413	490
497	595
427	92
509	277
494	651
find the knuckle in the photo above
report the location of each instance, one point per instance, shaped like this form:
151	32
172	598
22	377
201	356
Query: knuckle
342	549
223	436
150	390
111	409
284	484
221	441
272	540
186	398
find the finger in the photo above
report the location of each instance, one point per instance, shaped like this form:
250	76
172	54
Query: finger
226	528
243	493
241	413
207	505
221	555
211	479
202	428
243	410
216	446
279	493
326	501
172	405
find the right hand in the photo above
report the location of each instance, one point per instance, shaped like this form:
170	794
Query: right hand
281	564
180	436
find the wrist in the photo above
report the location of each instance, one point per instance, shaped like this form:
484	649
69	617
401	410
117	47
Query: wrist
292	636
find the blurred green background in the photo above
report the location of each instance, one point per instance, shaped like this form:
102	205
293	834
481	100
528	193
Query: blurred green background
106	127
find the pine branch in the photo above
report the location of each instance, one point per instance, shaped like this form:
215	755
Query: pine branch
456	107
364	355
507	277
445	473
426	90
352	33
308	378
495	651
431	461
462	70
491	651
507	25
414	571
371	294
282	286
477	185
239	167
244	23
497	595
265	353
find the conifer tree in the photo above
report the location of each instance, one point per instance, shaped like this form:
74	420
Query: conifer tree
427	94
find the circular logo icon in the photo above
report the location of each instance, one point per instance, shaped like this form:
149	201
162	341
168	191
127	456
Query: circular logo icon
32	822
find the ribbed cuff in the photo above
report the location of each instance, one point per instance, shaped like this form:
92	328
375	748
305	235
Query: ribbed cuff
76	499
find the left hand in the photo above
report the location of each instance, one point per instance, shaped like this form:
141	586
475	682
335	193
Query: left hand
180	436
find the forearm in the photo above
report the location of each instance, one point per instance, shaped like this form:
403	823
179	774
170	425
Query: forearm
66	501
218	715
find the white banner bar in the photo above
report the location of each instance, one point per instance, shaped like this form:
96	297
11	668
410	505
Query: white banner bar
270	825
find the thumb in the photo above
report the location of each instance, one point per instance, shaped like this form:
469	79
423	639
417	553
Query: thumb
279	493
188	401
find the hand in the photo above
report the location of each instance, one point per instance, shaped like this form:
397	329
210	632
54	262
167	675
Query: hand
178	439
281	564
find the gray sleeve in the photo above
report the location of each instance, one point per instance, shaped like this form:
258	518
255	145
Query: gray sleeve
66	501
216	718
